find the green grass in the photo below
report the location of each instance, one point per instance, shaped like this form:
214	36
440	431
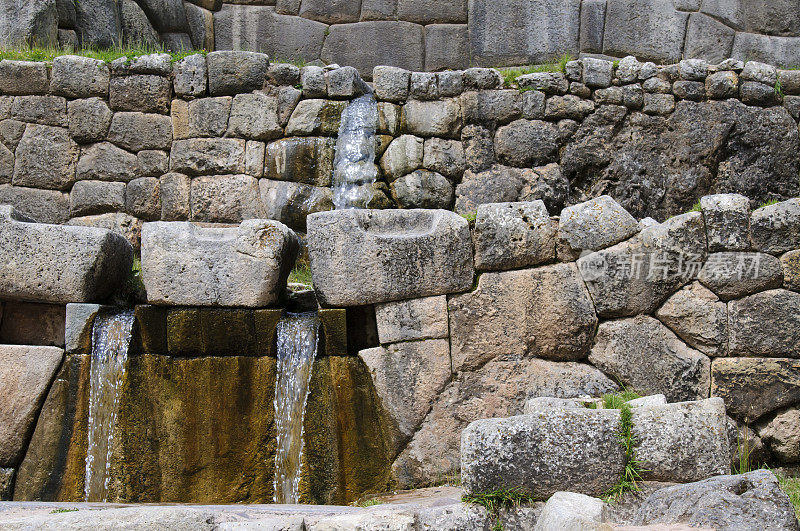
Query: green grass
631	474
368	503
107	55
497	500
301	274
696	207
617	400
510	75
57	511
792	488
778	88
470	216
769	203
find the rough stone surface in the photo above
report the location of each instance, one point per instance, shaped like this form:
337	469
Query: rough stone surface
751	500
315	117
645	355
254	116
365	45
291	203
225	198
505	184
47	206
107	162
307	160
26	374
143	93
137	131
89	120
594	225
791	270
513	235
511	314
23	77
235	72
412	319
733	275
781	435
78	327
650	30
776	228
191	76
766	324
570	510
423	189
185	264
204	156
727	219
79	77
403	156
526	143
96	197
433	118
445	157
699	318
25	323
45	158
753	387
433	256
99	261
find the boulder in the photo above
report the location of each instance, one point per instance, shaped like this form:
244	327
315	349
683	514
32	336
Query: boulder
440	118
107	162
89	120
185	264
732	275
307	160
498	389
528	452
412	319
44	110
291	203
403	156
391	83
23	77
136	131
254	116
766	324
570	510
236	72
59	264
782	436
491	106
225	198
96	197
699	318
365	45
367	256
445	157
753	500
753	387
525	143
78	327
79	77
191	76
423	189
649	29
594	225
505	184
204	156
46	157
727	218
513	235
24	378
646	356
776	228
316	117
791	270
117	222
29	24
144	93
512	314
50	206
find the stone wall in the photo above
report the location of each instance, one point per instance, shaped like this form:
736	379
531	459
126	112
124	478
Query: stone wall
230	136
432	35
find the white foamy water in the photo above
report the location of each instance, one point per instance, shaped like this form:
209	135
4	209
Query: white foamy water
354	170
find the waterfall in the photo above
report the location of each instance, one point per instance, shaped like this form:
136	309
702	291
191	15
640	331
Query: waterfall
111	336
354	170
297	348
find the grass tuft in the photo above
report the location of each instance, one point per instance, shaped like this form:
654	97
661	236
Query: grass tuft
791	486
769	203
617	400
497	500
631	474
301	274
510	75
368	503
58	511
105	54
696	207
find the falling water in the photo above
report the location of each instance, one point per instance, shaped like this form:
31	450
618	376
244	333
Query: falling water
111	337
354	172
297	347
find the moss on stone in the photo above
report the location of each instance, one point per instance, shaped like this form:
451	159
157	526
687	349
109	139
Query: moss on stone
334	332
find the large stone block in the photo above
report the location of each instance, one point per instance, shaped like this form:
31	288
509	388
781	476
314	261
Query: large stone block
776	228
143	93
48	206
512	314
366	45
89	120
699	318
646	356
366	256
59	264
649	29
117	222
727	219
412	319
315	117
594	225
46	157
44	110
544	452
185	264
446	46
505	184
526	143
307	160
96	197
708	38
513	235
235	72
734	275
225	198
255	117
766	324
23	77
191	77
781	435
433	118
79	77
204	156
25	374
107	162
26	323
291	203
753	387
520	32
136	131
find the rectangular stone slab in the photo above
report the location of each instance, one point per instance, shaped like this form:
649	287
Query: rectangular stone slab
363	257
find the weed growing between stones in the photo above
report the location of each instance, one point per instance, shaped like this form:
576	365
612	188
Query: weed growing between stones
58	511
105	54
696	207
769	203
631	474
743	451
497	500
301	274
791	486
510	75
368	503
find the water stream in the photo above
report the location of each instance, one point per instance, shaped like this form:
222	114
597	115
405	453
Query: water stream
111	337
297	348
354	172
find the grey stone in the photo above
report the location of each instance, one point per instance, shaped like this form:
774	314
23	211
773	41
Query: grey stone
312	78
200	23
99	24
722	85
254	116
689	90
153	163
498	389
572	107
403	156
781	435
580	90
136	28
423	189
766	324
345	82
693	69
424	86
11	132
23	78
481	79
645	355
776	228
329	11
6	483
542	403
681	442
143	93
412	319
291	202
790	81
698	317
78	327
452	11
117	222
574	69
570	510
391	83
283	74
107	162
597	73
459	516
79	77
45	158
225	198
446	46
657	85
408	376
649	29
157	64
504	184
26	323
792	104
96	197
513	235
208	117
633	96
175	190
365	45
659	104
733	275
628	69
433	257
791	270
288	98
143	198
49	206
45	110
479	146
760	72
445	157
708	38
528	452
751	500
491	106
185	264
377	519
137	131
204	156
89	120
6	165
510	314
235	72
191	77
388	119
26	375
99	261
594	225
526	143
753	387
254	154
533	105
433	118
754	93
610	95
315	117
593	17
307	160
727	219
547	82
133	517
651	400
